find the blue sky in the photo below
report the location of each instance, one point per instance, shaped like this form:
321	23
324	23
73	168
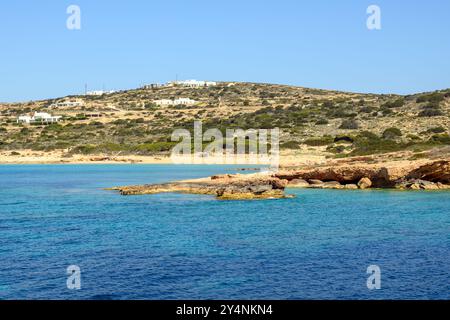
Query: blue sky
319	44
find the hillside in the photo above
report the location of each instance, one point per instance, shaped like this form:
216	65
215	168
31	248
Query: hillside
329	123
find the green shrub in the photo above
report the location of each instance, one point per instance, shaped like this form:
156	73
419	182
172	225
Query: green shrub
400	102
322	122
155	147
392	133
431	97
369	143
350	124
293	145
431	113
441	138
436	130
317	142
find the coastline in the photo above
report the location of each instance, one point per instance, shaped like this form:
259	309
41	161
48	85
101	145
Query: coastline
289	158
59	158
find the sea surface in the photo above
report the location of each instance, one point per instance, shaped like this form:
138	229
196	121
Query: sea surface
172	246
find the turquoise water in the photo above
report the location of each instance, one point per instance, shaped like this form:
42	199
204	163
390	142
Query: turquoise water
171	246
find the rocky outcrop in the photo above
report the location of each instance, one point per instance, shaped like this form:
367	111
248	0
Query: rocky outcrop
418	184
438	171
224	188
379	175
406	176
298	183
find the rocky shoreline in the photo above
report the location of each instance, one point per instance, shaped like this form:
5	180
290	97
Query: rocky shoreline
433	175
419	175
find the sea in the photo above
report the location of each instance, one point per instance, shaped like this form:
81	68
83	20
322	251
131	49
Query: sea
63	236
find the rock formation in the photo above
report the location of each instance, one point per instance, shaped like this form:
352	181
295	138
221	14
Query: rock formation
400	175
408	175
225	187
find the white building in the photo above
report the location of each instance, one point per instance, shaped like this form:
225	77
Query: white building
176	102
99	92
184	101
152	86
164	102
38	117
67	104
193	83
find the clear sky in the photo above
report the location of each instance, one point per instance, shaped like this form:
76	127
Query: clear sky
315	43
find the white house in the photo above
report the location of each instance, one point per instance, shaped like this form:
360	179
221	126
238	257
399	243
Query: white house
163	102
99	92
67	104
152	86
38	117
193	83
184	101
176	102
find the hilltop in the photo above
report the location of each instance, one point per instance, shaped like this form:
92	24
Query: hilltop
316	123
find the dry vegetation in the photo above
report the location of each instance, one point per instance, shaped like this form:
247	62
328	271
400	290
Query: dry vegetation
338	124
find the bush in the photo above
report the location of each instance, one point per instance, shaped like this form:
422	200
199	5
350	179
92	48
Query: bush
322	122
155	147
392	133
441	138
436	130
367	109
350	124
317	142
343	139
328	104
431	97
400	102
290	145
431	113
369	143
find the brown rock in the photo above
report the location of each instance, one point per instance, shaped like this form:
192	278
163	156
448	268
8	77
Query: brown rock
351	186
438	171
364	183
332	185
442	186
298	183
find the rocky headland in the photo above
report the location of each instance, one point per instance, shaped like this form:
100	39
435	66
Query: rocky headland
224	187
402	175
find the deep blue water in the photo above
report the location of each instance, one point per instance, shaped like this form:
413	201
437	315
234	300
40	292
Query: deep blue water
171	246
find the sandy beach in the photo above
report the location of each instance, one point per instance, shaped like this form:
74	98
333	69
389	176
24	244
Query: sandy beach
287	158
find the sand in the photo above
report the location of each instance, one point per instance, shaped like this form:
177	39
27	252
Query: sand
287	158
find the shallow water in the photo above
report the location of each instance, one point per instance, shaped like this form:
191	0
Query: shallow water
172	246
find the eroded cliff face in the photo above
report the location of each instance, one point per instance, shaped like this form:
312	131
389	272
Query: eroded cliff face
400	175
438	171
